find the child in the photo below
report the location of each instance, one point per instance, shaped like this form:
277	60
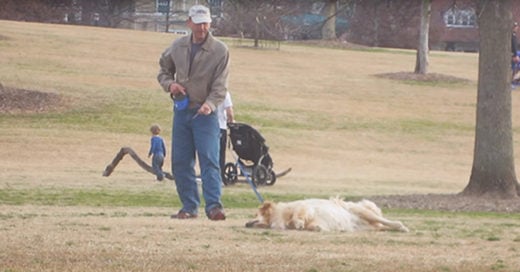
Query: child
158	150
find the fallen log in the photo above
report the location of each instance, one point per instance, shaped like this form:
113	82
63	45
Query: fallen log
127	150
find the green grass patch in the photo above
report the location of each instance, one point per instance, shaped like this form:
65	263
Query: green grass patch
120	198
308	120
84	197
169	198
110	117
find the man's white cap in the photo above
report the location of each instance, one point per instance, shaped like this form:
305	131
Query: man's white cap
200	14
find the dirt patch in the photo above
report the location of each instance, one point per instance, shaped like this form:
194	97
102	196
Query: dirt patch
403	76
428	77
15	100
447	202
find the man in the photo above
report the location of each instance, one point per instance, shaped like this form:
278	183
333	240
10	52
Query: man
195	69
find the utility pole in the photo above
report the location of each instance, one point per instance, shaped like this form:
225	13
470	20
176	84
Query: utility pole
168	16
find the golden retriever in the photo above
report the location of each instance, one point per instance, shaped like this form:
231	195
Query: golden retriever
332	214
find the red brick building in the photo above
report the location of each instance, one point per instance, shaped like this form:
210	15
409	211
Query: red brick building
454	27
453	24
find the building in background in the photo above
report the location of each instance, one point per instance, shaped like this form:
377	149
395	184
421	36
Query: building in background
395	24
166	15
375	23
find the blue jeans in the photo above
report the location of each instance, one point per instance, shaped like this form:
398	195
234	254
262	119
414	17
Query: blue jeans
157	164
198	134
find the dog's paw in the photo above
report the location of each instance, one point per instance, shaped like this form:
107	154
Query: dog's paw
314	228
251	224
313	225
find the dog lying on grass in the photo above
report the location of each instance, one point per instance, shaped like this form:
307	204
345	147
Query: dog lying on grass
332	214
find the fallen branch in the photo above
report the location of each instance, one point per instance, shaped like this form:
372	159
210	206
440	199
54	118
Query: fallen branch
281	174
127	150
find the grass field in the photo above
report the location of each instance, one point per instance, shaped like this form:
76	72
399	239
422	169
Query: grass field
324	112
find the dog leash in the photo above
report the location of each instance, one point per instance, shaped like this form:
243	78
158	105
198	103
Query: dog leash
250	181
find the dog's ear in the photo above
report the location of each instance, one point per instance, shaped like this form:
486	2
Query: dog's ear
267	208
263	217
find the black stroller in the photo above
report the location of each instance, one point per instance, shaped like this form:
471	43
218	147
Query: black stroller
253	156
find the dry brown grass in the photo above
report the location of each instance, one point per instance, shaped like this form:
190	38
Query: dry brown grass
136	239
324	112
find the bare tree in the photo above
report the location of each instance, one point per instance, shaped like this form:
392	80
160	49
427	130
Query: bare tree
328	30
493	171
282	20
260	20
108	13
421	62
387	23
48	11
244	17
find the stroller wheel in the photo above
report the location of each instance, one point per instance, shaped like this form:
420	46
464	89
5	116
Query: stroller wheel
271	179
230	174
260	175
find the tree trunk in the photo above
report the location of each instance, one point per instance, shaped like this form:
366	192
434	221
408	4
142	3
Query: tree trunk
127	150
376	23
257	32
493	171
421	62
328	30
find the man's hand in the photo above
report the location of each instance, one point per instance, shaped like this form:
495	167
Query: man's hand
177	89
205	109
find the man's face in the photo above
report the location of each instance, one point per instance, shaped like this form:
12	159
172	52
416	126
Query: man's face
199	31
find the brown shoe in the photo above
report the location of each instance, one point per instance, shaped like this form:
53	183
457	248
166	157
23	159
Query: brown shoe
217	214
183	215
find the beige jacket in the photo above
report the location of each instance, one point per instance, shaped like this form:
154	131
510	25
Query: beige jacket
206	80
